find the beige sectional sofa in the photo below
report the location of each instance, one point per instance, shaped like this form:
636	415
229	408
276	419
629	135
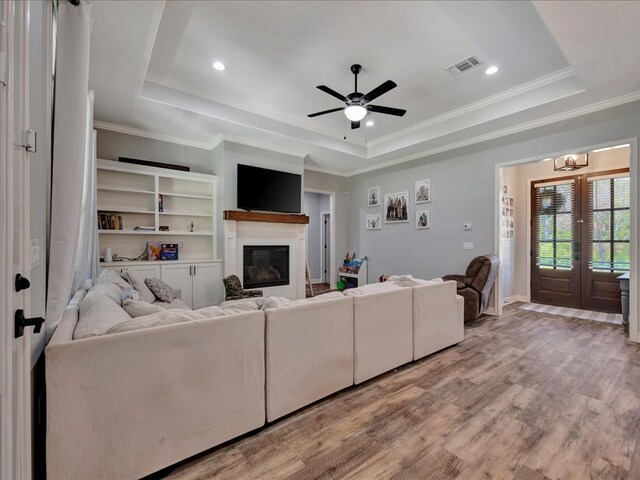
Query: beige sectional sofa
124	405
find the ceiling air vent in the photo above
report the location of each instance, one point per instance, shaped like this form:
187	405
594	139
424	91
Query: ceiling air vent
463	66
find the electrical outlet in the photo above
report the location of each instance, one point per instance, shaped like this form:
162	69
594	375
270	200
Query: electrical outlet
467	246
467	226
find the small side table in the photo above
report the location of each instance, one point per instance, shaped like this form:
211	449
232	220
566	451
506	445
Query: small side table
624	288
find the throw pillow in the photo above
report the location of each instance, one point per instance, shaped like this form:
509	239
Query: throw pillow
130	293
136	280
136	308
161	290
111	276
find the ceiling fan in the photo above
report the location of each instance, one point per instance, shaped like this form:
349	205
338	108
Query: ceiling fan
357	104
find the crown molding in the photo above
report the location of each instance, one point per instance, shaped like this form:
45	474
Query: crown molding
305	125
228	137
576	112
326	171
112	127
480	104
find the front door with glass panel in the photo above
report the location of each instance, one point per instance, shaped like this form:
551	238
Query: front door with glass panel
555	259
580	240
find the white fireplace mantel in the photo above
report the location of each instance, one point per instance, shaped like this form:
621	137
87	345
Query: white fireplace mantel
237	234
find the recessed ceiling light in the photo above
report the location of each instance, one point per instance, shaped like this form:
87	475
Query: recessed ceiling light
370	123
491	70
219	66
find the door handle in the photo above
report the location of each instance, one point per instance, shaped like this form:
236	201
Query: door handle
194	270
21	322
21	283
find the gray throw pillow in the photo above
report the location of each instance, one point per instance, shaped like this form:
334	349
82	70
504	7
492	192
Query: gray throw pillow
161	290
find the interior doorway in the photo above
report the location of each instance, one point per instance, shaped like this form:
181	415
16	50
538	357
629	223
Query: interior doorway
580	237
325	225
319	206
589	282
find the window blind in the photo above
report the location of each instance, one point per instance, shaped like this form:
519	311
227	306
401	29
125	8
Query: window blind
609	223
554	221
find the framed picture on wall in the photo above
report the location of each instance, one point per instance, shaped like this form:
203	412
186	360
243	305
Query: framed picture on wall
396	207
423	191
374	222
423	219
373	196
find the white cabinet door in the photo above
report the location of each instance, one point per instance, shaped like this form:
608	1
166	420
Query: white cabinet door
179	277
207	288
149	271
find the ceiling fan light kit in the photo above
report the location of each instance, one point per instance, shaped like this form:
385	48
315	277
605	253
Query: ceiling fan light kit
355	113
357	105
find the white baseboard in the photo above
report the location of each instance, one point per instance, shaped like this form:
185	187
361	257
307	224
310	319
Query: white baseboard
490	311
514	298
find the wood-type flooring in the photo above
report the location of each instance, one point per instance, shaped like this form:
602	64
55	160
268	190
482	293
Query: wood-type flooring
526	396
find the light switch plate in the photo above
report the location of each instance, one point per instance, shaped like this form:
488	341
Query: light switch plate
467	246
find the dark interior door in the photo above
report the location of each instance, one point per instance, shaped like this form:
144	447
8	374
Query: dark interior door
555	234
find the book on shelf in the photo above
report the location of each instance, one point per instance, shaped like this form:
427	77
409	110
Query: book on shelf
109	221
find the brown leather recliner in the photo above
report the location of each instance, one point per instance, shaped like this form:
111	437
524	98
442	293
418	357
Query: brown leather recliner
476	284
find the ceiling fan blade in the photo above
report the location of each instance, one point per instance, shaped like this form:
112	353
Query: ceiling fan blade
311	115
355	125
332	92
388	110
379	90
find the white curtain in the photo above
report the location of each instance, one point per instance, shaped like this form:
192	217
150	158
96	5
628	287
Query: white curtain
69	153
87	261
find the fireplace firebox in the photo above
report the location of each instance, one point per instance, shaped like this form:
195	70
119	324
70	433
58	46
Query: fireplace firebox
265	266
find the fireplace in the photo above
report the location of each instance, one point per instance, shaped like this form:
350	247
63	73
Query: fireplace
265	266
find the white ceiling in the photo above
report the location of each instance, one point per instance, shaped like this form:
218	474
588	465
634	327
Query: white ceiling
151	70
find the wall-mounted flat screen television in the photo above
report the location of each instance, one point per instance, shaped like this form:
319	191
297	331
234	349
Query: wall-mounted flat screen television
268	190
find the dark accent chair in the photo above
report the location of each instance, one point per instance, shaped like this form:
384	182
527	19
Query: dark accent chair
234	291
476	284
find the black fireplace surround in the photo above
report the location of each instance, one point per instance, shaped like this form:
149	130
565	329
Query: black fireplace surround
265	266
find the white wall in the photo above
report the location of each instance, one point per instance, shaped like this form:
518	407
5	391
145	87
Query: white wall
39	88
515	256
464	189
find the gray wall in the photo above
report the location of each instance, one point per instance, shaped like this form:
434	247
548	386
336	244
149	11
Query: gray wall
464	189
112	145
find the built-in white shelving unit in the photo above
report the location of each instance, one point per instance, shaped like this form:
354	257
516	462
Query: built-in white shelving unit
133	193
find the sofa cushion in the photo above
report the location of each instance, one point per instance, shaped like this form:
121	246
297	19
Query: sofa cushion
136	280
98	313
176	303
169	317
372	288
323	297
408	280
110	289
162	290
258	301
137	308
